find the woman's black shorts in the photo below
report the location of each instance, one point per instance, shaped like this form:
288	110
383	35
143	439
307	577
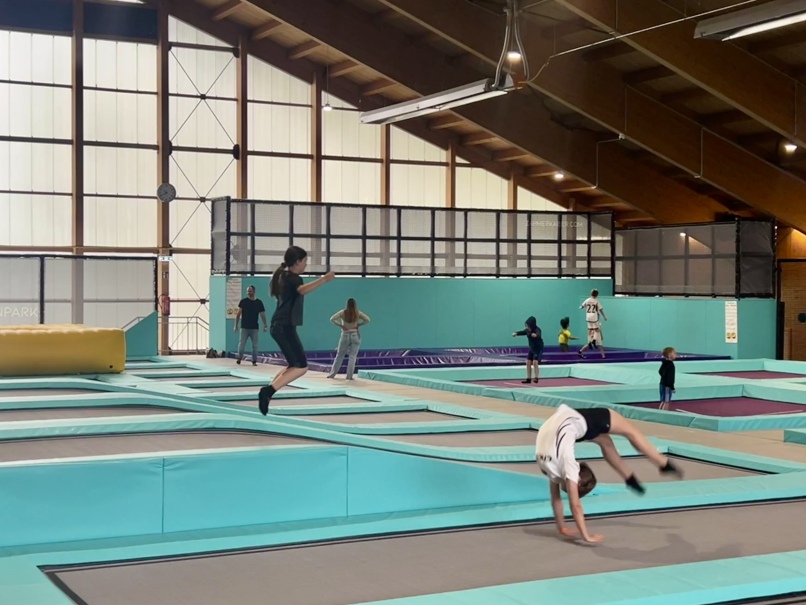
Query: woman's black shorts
598	421
290	345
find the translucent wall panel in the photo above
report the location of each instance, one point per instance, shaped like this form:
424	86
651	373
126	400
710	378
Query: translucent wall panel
531	201
344	135
282	179
267	83
35	111
190	224
351	182
477	188
35	167
125	172
207	175
35	58
35	220
279	128
210	72
413	185
408	147
120	65
120	222
190	276
208	124
120	117
179	31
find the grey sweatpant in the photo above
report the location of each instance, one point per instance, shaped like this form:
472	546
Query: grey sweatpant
248	334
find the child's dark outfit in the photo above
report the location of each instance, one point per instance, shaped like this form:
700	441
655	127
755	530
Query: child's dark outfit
535	337
667	375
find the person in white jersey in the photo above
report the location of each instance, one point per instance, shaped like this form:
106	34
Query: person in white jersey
593	309
556	458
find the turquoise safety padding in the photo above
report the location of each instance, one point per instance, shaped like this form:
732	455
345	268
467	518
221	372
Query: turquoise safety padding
382	482
21	582
407	428
776	390
785	365
795	436
706	583
58	502
254	487
752	462
43	384
179	373
142	338
659	497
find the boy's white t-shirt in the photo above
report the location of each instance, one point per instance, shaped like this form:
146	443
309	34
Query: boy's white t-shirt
592	308
555	444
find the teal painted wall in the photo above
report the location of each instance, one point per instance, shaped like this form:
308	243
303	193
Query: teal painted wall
691	325
757	328
142	337
420	312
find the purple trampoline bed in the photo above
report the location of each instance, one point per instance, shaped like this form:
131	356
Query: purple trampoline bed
400	359
729	407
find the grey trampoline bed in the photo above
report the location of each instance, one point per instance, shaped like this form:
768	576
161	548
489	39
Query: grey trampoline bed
135	443
406	565
643	468
504	438
380	417
288	401
43	392
10	415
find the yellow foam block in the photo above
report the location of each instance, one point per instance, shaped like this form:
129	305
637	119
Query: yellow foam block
54	350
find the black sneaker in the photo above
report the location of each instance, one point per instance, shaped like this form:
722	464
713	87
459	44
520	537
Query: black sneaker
671	468
254	363
527	381
536	380
263	400
635	486
238	361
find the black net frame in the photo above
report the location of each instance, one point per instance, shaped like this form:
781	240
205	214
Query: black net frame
404	241
725	259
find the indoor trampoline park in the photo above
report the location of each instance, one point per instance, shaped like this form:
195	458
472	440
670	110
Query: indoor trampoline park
395	302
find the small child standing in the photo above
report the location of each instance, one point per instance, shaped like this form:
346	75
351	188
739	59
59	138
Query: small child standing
667	375
565	334
535	337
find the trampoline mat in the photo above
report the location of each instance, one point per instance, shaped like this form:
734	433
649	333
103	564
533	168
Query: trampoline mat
114	445
469	439
380	417
254	388
147	373
730	406
190	378
290	401
394	567
757	375
85	412
42	393
515	383
644	469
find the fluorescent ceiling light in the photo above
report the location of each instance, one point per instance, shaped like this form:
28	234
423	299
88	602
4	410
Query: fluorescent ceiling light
752	20
455	97
514	55
558	176
790	147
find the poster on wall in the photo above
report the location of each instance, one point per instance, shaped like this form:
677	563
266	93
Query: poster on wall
731	321
234	296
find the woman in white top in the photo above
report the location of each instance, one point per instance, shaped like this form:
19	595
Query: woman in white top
349	320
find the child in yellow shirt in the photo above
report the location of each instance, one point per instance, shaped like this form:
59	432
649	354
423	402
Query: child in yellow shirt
565	334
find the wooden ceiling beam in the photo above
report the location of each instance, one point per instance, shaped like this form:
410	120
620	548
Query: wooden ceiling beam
272	53
342	68
446	121
377	87
264	30
642	120
225	10
724	70
482	36
507	155
303	50
650	74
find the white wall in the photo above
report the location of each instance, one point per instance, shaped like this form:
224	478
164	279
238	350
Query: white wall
477	188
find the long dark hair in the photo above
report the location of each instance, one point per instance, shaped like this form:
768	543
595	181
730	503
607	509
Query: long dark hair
350	311
292	256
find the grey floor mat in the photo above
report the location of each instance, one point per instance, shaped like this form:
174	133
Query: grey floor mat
252	401
86	412
469	439
43	393
244	389
643	468
381	417
407	566
111	445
